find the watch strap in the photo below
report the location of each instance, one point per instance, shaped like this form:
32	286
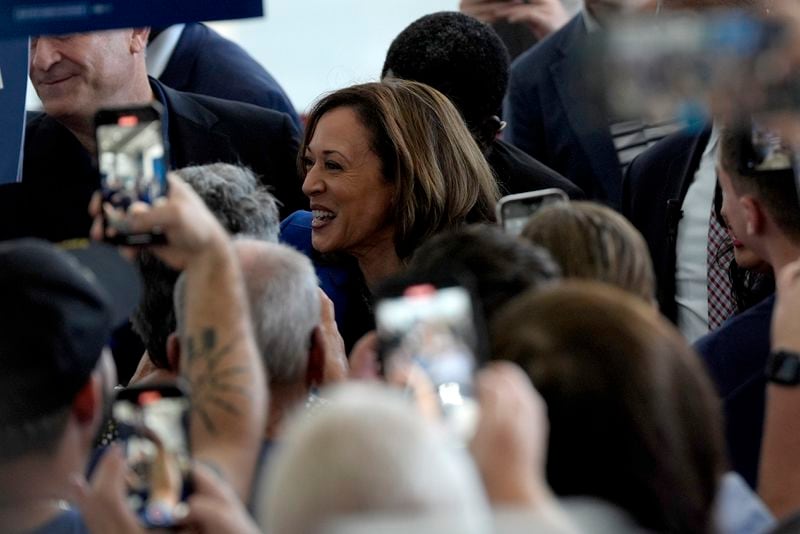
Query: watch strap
783	367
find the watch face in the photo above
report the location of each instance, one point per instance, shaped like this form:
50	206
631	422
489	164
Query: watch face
784	368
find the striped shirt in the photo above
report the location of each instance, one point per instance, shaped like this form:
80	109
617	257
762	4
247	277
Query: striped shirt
631	138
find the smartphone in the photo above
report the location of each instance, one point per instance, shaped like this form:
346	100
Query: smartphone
513	211
132	156
428	346
152	423
763	152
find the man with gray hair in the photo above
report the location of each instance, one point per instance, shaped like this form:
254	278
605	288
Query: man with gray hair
235	197
282	290
292	323
242	206
78	74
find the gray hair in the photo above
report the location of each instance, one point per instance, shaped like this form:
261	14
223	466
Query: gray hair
241	205
233	194
367	451
284	305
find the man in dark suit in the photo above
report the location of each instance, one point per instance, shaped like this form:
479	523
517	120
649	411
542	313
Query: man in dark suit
655	187
466	60
204	62
551	116
669	194
735	357
761	206
78	74
557	112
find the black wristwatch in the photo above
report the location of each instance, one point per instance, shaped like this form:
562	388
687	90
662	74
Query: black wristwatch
783	367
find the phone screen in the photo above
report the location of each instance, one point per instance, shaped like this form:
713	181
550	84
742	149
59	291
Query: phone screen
152	425
132	160
515	210
428	346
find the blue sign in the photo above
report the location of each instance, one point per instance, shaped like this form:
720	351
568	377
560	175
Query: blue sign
20	18
13	83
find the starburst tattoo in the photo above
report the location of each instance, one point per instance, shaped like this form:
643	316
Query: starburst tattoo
212	381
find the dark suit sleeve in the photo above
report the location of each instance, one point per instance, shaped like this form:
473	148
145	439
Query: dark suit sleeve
641	193
11	214
628	186
706	347
646	189
287	182
522	111
205	62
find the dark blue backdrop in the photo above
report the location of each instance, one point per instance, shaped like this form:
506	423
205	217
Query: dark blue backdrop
20	18
14	73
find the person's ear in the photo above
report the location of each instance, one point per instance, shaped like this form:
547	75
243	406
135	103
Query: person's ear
174	353
139	39
315	372
754	215
89	400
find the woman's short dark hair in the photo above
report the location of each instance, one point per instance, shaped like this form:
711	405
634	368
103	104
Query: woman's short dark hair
500	265
440	176
633	417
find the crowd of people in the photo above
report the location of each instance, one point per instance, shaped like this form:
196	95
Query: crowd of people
629	363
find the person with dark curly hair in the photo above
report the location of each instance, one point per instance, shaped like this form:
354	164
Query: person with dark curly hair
499	265
467	61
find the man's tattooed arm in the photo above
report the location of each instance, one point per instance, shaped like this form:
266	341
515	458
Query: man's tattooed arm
219	356
223	368
213	377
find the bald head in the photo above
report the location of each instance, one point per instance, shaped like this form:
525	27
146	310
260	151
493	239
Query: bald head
284	303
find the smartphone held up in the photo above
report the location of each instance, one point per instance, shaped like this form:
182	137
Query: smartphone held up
513	211
428	347
132	159
152	423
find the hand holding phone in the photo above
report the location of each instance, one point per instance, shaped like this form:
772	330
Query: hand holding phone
428	344
483	10
152	422
132	162
542	17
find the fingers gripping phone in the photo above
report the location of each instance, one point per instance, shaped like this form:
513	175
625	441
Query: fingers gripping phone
152	423
513	211
132	156
428	346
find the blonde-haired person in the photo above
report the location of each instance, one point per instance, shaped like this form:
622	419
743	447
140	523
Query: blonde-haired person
591	241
